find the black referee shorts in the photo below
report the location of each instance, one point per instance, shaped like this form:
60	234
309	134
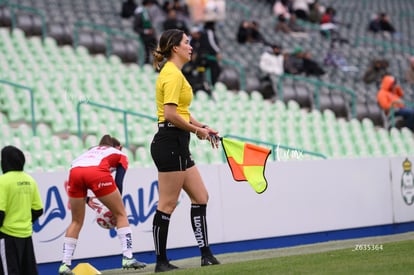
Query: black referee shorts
170	149
17	256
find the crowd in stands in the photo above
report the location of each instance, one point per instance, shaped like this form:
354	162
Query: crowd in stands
291	17
381	23
249	32
151	17
282	52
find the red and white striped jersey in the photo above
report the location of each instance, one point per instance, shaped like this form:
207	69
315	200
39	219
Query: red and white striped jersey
105	157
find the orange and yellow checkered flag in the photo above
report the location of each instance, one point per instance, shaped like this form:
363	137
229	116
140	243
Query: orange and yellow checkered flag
247	162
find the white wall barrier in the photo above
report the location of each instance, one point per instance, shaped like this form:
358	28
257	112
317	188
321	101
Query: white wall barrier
302	197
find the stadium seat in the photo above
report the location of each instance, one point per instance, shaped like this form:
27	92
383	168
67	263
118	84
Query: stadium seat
143	157
62	76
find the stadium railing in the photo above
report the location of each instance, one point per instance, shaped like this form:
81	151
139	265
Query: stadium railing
113	109
109	33
32	105
13	7
384	44
125	122
317	84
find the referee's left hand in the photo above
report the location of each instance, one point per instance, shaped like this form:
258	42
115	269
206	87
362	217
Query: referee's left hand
210	134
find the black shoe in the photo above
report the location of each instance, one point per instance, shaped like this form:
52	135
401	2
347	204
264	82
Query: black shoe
209	260
164	266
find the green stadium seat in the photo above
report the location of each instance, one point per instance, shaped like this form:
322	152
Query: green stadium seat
3	119
143	157
5	132
59	123
31	164
72	143
293	106
24	132
90	141
64	158
36	144
63	75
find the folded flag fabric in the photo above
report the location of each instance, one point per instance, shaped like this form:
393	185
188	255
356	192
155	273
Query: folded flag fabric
247	162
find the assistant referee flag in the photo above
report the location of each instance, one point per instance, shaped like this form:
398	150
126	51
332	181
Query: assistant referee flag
247	162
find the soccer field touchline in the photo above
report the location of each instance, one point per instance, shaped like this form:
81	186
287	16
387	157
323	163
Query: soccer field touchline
228	258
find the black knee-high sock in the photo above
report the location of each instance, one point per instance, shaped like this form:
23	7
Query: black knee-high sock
199	224
160	233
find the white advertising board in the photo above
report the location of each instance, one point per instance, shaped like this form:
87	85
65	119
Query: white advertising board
402	179
309	196
302	197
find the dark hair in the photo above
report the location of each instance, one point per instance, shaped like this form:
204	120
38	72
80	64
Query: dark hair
12	159
276	46
168	40
210	25
115	142
107	140
330	10
281	18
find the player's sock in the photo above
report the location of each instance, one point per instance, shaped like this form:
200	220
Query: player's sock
69	245
199	224
125	236
160	226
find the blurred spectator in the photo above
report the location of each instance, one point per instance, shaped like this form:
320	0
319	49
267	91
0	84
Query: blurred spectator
157	14
248	32
281	25
299	61
315	12
409	73
381	22
290	26
329	25
195	70
180	7
182	10
173	23
376	71
281	7
301	8
166	6
127	9
334	57
144	27
271	62
294	26
390	95
210	50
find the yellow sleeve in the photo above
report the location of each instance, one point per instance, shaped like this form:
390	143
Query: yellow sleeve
172	87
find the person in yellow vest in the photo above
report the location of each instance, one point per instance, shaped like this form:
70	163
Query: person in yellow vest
20	206
170	148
